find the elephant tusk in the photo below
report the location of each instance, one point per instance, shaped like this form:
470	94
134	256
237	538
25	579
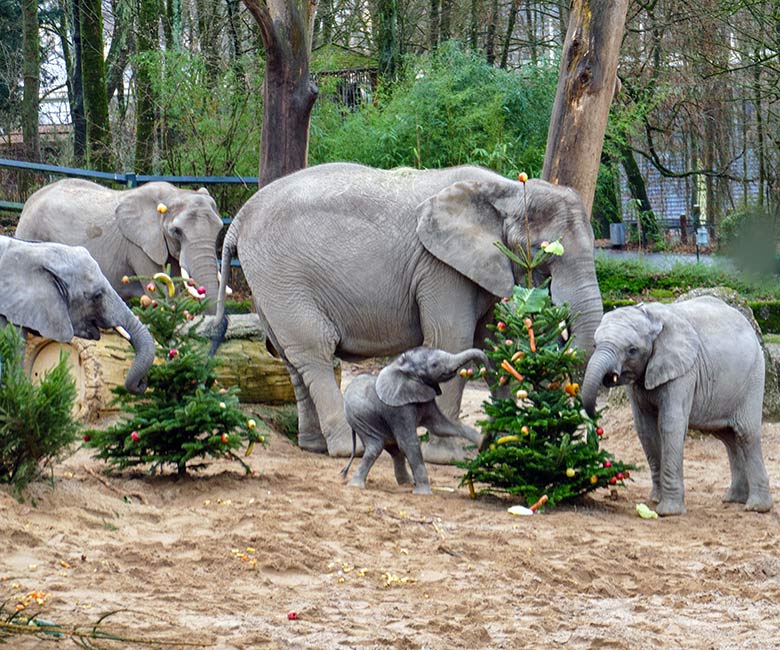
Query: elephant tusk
122	332
184	274
564	330
193	292
615	377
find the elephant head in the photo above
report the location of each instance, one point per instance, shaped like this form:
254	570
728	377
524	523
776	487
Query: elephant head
59	292
414	377
461	224
171	224
647	345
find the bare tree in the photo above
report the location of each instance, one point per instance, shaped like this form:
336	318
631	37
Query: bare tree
288	91
586	85
31	66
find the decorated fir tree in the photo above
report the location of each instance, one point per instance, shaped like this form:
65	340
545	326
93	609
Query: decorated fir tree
538	438
185	416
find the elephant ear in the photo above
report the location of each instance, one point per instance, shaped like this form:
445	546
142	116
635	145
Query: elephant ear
460	226
675	348
140	221
33	293
398	388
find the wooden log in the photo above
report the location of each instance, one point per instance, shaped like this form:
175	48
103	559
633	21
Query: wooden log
99	366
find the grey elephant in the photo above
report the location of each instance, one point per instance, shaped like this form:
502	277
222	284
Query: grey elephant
59	292
386	410
357	262
130	232
696	363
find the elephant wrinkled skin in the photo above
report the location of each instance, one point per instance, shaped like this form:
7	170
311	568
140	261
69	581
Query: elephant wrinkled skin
59	292
130	232
359	262
698	364
385	411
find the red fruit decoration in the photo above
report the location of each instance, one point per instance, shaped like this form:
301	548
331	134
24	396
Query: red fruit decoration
225	438
599	431
292	616
607	463
501	326
172	353
201	290
134	435
87	438
612	481
151	287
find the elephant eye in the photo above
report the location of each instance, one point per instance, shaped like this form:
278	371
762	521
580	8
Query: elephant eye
633	350
176	232
97	295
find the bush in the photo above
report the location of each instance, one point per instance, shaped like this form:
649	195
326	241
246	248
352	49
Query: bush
36	420
750	237
449	108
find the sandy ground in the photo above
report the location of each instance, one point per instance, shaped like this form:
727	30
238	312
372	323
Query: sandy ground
221	559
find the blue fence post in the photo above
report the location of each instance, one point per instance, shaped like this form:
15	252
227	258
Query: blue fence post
131	180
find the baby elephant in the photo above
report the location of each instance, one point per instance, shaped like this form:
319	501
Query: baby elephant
696	363
386	410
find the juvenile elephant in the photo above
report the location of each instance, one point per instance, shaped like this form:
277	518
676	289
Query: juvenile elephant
130	232
59	292
696	363
357	262
386	410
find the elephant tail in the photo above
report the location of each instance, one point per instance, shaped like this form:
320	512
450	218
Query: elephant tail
229	246
345	471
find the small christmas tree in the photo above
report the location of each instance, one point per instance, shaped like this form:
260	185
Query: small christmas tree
184	414
36	419
538	438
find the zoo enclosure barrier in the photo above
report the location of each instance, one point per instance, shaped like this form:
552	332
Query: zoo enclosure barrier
128	179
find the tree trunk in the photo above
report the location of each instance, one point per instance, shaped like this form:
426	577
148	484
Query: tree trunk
638	190
31	67
433	27
508	37
445	21
148	13
586	84
490	40
77	102
385	18
93	78
288	92
121	47
473	29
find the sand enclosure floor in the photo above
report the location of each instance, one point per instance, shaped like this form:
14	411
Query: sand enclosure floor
222	558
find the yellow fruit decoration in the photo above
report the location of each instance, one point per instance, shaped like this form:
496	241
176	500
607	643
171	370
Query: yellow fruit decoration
570	472
572	389
504	439
166	280
145	301
162	208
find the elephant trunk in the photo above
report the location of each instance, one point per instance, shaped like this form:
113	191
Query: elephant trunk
574	282
144	347
468	356
201	264
602	364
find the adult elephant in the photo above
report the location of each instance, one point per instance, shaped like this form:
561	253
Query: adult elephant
59	292
358	262
130	232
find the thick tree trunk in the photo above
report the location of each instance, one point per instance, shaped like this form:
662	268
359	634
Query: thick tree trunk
93	81
121	46
433	26
77	101
288	92
508	36
385	18
148	14
31	66
586	85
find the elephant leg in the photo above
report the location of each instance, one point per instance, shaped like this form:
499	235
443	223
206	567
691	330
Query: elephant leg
673	414
310	435
450	326
738	490
373	449
402	475
646	424
759	497
310	351
409	444
440	425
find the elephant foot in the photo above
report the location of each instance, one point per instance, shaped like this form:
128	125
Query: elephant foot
424	490
655	495
314	442
341	446
735	495
669	508
761	503
404	479
447	451
357	483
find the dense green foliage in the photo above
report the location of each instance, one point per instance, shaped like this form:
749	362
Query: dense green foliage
36	420
622	278
448	108
184	416
539	441
751	238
